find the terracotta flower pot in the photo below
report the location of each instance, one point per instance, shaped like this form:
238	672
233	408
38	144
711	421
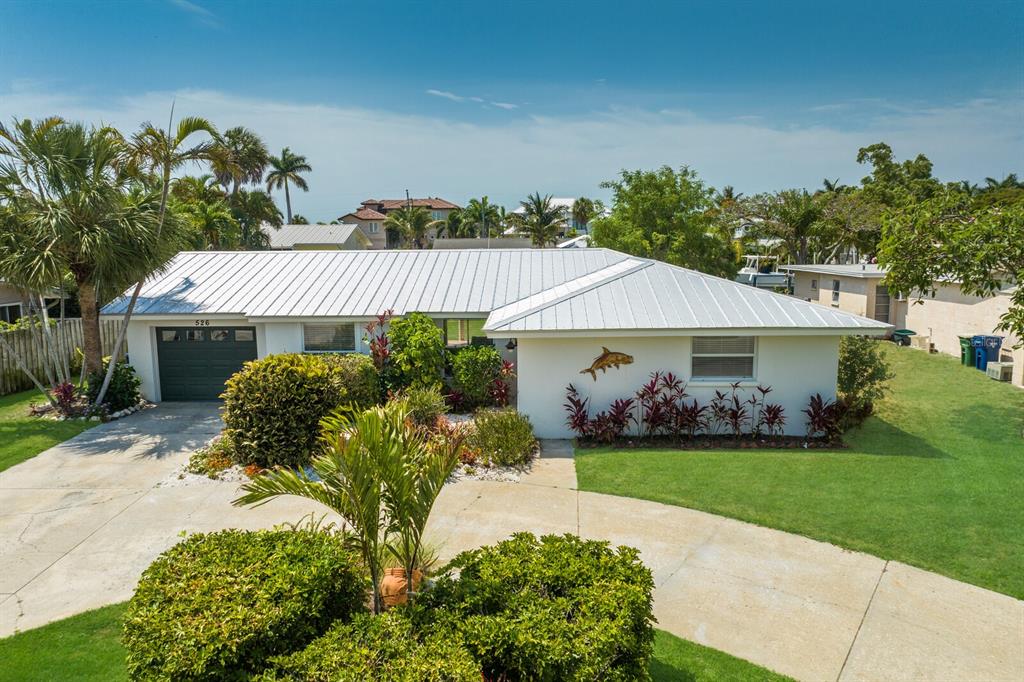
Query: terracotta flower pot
394	587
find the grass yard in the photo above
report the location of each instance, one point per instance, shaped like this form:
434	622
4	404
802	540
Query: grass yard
22	436
87	648
934	479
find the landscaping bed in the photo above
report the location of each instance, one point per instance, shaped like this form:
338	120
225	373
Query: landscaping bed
931	479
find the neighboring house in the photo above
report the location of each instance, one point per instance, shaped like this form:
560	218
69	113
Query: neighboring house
373	212
11	303
371	222
938	321
551	310
319	237
478	243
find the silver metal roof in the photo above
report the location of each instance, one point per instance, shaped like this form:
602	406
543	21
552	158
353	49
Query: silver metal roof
357	283
868	270
287	236
643	294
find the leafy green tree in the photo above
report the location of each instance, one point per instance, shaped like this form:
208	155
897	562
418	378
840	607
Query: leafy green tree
202	188
240	157
542	220
71	202
253	210
211	225
299	220
287	170
893	183
411	224
665	214
950	237
849	219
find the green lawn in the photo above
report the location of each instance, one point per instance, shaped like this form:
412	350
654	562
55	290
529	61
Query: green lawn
22	436
88	647
934	479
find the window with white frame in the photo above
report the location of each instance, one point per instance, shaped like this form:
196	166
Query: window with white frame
331	337
723	357
10	312
374	228
460	332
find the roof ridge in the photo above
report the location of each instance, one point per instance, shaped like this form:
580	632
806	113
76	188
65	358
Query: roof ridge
621	268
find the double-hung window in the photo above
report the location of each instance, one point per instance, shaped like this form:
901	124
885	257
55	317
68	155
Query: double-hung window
835	292
330	337
723	357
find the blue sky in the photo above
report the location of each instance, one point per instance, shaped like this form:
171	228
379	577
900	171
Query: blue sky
461	99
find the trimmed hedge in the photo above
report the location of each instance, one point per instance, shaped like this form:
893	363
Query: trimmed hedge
503	437
417	350
384	648
557	608
474	371
218	606
273	406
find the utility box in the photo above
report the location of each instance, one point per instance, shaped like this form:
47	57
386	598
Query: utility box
1000	371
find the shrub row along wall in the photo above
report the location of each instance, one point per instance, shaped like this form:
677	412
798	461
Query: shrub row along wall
68	335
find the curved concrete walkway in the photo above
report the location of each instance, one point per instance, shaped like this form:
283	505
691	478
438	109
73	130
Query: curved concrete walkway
81	521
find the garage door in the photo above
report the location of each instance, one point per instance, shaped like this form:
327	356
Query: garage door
195	362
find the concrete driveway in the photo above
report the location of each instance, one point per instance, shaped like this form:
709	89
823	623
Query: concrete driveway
81	521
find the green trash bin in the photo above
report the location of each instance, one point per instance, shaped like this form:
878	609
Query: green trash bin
966	351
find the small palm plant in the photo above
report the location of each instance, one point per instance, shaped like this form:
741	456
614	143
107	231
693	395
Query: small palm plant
381	474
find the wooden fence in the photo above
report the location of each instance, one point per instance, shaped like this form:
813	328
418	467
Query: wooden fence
68	336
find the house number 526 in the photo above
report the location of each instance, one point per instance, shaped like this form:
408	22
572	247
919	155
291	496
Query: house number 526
202	323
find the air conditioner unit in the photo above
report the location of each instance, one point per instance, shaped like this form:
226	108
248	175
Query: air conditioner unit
1000	371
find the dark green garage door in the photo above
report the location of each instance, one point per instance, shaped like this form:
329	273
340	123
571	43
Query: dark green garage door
196	361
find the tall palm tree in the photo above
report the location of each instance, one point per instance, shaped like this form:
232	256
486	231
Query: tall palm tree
411	224
794	217
541	220
286	170
479	217
161	152
239	158
71	201
213	225
254	210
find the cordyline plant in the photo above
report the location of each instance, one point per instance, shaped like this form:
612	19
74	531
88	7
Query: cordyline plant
381	474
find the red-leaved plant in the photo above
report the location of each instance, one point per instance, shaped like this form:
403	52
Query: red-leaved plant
578	410
824	418
64	394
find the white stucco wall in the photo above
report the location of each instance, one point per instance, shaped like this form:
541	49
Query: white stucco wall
794	366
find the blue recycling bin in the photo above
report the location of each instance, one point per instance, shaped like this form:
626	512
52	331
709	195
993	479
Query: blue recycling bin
986	349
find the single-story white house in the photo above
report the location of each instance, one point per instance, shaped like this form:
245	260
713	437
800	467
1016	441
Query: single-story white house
552	310
319	237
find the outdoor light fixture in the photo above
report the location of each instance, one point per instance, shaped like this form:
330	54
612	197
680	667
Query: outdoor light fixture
511	345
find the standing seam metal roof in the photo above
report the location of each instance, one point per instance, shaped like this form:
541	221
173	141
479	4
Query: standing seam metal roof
522	290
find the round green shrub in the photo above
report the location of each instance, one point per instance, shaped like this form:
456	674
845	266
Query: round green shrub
123	391
417	350
503	437
425	404
474	370
218	606
554	608
383	648
273	406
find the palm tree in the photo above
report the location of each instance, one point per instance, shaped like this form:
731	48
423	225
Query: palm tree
381	474
161	152
541	220
71	201
286	170
793	216
479	217
202	188
298	219
832	186
239	158
411	224
213	226
1009	182
253	210
584	210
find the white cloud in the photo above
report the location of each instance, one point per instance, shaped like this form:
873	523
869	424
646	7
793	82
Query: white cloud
358	152
204	15
505	105
447	95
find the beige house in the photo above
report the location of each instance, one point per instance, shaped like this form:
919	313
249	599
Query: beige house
11	299
938	321
372	213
